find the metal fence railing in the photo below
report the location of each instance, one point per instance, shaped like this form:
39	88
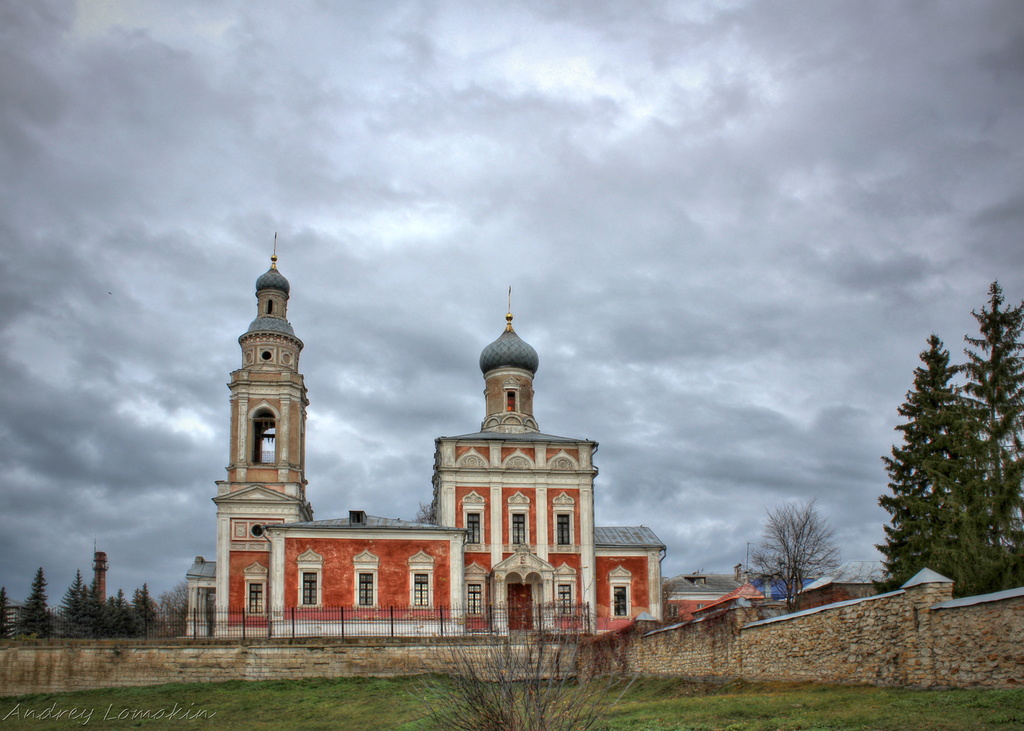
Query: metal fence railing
297	622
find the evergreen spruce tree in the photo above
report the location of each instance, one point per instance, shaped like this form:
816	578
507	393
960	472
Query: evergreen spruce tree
120	620
5	622
921	471
95	613
988	525
145	611
35	617
73	611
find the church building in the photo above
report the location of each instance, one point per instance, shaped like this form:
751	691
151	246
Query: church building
513	507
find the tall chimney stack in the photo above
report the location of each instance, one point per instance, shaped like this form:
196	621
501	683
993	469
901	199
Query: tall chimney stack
99	576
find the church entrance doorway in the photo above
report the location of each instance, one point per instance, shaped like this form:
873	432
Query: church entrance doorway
520	607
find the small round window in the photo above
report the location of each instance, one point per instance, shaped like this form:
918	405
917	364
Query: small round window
265	355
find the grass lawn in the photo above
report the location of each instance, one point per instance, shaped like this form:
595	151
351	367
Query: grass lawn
393	703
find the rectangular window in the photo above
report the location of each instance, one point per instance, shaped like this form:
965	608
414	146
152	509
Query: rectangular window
510	401
366	590
473	524
420	590
564	534
309	597
619	600
255	598
474	598
518	528
565	597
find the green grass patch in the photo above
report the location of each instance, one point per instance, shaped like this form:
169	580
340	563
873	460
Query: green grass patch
649	704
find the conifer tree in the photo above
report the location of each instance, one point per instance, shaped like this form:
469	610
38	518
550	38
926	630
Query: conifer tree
5	624
921	471
145	611
120	620
95	613
988	525
73	610
35	617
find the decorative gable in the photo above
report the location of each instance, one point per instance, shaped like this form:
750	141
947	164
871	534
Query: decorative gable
619	573
421	560
519	499
564	499
563	461
256	569
471	458
473	498
518	461
366	559
309	559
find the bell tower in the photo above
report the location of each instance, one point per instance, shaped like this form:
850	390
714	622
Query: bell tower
266	480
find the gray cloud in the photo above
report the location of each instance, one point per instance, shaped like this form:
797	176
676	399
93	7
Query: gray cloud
729	231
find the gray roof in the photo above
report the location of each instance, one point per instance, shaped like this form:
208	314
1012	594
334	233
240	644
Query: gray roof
698	583
926	576
372	521
515	437
968	601
626	535
509	351
851	572
273	279
202	570
270	324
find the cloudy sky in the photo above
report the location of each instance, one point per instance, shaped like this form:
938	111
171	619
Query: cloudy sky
729	228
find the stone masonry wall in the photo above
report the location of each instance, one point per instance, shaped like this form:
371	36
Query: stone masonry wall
63	665
914	637
979	644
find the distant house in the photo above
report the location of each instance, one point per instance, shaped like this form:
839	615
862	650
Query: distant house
747	592
687	593
852	580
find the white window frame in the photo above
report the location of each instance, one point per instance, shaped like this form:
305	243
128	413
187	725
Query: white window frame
421	563
572	528
519	504
365	563
256	574
475	503
310	562
620	578
563	504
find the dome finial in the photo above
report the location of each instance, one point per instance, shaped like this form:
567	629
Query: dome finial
273	257
508	316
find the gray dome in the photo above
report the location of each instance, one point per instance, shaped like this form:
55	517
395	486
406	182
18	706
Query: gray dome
509	351
273	279
270	324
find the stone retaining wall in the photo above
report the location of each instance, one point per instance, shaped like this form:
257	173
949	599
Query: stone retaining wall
63	665
914	637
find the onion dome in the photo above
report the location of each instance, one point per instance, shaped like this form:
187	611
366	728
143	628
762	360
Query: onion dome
509	351
272	279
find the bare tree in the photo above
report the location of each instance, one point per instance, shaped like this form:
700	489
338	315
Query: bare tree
797	545
525	683
173	609
426	514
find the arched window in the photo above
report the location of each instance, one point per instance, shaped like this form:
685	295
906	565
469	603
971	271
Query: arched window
264	432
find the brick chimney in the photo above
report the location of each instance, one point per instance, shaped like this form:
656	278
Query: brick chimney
99	576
